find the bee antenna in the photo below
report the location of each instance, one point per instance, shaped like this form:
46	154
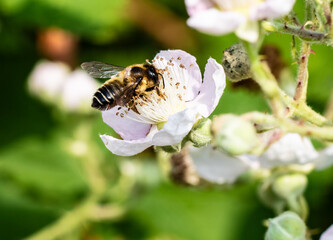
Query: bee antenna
162	78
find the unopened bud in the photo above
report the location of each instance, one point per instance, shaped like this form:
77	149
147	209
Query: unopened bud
290	185
234	134
200	134
268	26
287	226
236	63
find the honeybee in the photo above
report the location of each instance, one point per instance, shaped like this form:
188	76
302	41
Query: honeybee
124	84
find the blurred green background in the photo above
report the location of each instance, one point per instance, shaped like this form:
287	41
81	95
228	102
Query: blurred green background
40	180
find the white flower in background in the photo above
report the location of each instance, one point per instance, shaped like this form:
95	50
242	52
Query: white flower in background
55	83
77	92
220	17
47	79
164	122
325	158
328	234
217	166
290	149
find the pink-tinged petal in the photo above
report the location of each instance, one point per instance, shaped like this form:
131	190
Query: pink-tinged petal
290	149
183	68
216	166
211	89
248	31
127	128
195	6
271	9
328	234
213	21
176	128
127	147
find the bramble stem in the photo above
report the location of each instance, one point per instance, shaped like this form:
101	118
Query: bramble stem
329	109
303	74
265	79
301	32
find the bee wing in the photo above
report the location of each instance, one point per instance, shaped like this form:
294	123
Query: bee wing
127	95
101	70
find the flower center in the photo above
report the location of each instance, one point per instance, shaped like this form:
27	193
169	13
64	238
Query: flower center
241	6
156	106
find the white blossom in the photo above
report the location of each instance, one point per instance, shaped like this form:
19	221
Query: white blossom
220	17
166	121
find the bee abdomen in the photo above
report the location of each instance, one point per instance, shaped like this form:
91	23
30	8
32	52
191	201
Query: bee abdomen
105	96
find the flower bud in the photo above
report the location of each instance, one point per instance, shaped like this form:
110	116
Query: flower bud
234	134
287	226
236	63
200	134
290	185
269	27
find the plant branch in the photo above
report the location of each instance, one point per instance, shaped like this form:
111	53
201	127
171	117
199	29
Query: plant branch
268	84
303	74
301	32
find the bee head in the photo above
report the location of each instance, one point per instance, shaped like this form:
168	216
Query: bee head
151	72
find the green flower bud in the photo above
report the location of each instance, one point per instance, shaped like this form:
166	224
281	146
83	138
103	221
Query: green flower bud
290	185
234	134
200	134
269	27
287	226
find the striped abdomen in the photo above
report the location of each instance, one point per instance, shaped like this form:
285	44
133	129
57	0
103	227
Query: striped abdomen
106	96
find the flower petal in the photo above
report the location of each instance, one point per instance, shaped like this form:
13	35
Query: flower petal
325	158
176	128
216	166
127	128
328	234
271	9
127	147
195	6
213	21
181	67
211	89
248	31
290	149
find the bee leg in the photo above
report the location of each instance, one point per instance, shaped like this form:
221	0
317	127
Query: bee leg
132	105
159	93
162	79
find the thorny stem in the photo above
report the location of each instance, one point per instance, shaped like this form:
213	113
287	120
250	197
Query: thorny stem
309	10
303	74
275	95
329	109
303	110
301	32
324	15
324	133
